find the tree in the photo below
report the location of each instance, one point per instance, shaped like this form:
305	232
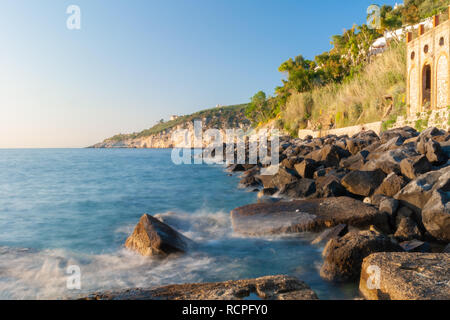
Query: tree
261	108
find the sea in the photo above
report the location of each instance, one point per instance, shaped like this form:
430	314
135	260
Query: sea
68	212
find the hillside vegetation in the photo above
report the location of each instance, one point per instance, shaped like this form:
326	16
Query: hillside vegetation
375	91
222	117
345	86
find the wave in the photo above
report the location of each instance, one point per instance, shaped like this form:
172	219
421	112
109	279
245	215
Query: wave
219	255
32	274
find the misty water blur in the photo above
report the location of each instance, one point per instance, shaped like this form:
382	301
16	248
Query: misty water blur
67	207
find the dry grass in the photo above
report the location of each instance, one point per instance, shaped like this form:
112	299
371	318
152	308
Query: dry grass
361	99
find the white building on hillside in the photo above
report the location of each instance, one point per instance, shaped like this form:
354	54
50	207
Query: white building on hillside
380	45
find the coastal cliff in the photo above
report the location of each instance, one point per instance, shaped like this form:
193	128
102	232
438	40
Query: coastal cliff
160	136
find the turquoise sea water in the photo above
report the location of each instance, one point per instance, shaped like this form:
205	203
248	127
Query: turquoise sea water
62	207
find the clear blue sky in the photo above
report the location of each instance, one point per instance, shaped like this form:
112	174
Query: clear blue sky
135	62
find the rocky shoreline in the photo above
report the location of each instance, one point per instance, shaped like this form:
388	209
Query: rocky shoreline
379	203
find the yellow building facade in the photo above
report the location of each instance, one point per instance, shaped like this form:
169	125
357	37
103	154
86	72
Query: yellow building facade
428	68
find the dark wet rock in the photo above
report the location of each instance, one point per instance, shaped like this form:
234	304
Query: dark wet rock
267	288
251	172
446	249
312	215
268	200
289	163
300	189
389	205
417	193
320	173
355	162
329	155
249	181
361	141
267	192
304	150
342	143
415	166
428	146
391	185
415	246
445	146
279	180
407	229
332	233
306	168
434	152
153	237
403	212
436	214
392	144
363	183
343	256
375	200
404	133
388	161
406	276
249	166
236	168
330	186
427	135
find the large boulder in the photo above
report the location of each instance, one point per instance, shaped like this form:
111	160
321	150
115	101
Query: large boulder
312	215
329	186
236	168
415	166
268	288
404	133
153	237
436	214
434	152
405	276
388	161
361	140
407	229
302	188
363	183
290	162
389	206
417	193
249	182
355	162
329	155
306	168
427	145
343	256
427	135
283	177
391	185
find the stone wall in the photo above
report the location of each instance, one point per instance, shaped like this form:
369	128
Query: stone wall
435	118
439	118
350	131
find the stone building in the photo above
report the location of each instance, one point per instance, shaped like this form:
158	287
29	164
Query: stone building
428	67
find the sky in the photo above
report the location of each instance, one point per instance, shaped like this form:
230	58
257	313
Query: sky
135	62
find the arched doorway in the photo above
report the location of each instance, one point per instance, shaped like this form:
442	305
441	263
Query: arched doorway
426	85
